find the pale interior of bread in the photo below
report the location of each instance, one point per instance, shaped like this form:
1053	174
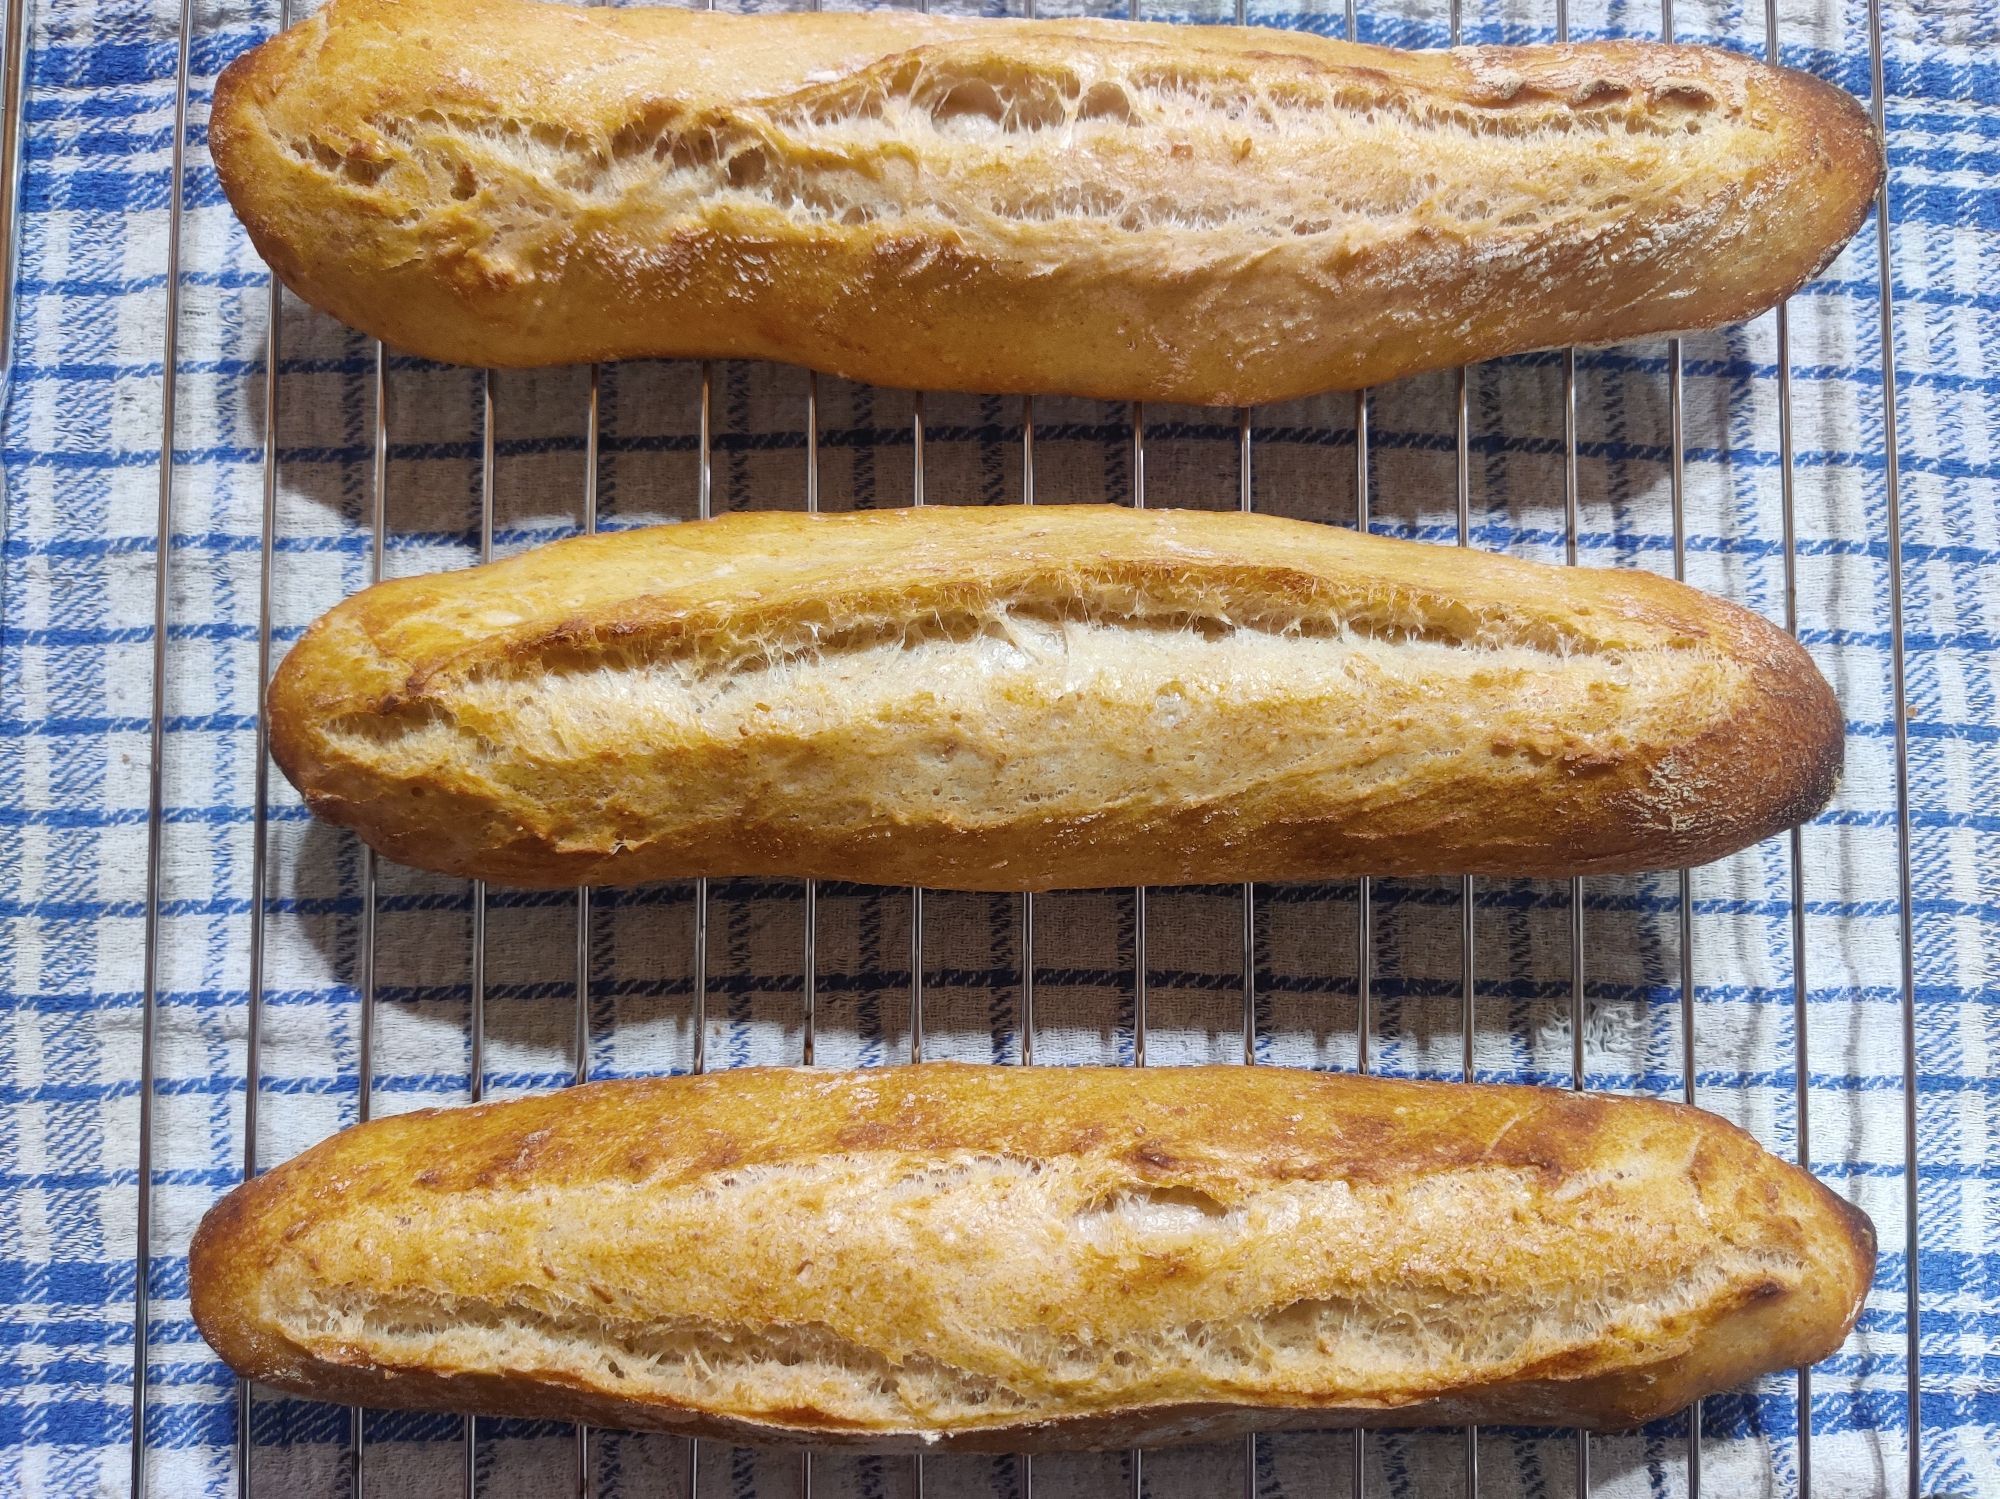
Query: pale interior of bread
1127	138
987	700
986	1290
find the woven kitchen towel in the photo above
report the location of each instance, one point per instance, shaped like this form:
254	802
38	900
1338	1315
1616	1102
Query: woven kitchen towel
82	450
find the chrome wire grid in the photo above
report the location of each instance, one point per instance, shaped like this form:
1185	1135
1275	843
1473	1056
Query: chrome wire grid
381	481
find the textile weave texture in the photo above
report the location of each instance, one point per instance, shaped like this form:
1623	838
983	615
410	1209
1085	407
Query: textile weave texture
82	440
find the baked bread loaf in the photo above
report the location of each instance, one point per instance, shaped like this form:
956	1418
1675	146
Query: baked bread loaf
1196	214
1001	1257
1015	698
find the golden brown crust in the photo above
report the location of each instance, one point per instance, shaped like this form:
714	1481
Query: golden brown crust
1197	214
1003	1258
1065	696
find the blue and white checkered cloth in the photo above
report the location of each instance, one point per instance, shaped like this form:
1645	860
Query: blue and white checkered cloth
81	453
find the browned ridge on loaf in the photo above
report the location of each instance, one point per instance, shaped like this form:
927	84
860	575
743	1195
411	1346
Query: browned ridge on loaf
1007	698
1200	214
1003	1258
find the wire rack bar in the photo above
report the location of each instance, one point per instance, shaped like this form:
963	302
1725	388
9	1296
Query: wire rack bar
1244	501
364	1068
1683	878
704	510
1139	962
586	1480
1468	937
1025	1463
1577	1001
587	525
809	985
1364	1023
1893	498
917	891
809	959
1468	912
1677	481
809	1021
698	1063
476	1062
253	1044
12	117
156	760
1139	965
1025	1055
580	1038
260	816
1796	838
1364	956
809	1032
698	962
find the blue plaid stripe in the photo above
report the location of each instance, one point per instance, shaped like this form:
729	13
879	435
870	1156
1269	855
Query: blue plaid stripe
80	447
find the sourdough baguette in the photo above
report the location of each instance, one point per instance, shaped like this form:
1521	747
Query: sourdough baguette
999	1258
1198	214
1006	698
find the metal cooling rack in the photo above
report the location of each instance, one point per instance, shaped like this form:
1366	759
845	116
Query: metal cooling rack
15	45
